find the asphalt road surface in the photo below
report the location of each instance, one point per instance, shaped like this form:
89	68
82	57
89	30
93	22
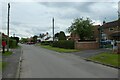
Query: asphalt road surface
42	63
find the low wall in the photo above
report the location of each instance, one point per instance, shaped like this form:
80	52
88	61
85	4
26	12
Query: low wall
86	45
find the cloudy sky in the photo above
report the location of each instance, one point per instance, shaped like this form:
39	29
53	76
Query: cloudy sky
28	18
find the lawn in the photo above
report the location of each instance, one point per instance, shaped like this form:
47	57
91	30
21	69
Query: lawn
7	53
62	50
107	58
2	65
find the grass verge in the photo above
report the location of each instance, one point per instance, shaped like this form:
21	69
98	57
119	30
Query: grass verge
61	50
2	65
7	53
107	58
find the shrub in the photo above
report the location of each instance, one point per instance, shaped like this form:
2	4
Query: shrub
12	43
67	44
46	42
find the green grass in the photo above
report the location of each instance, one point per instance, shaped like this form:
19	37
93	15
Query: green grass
18	46
2	65
7	53
62	50
107	58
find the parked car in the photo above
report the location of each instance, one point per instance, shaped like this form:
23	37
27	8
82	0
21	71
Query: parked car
30	43
104	42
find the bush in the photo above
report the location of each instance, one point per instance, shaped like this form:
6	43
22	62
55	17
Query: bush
12	43
67	44
46	42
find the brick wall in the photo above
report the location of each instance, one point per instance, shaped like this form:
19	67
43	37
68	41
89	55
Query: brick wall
86	45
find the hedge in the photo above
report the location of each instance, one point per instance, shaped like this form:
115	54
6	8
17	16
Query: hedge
12	43
67	44
46	42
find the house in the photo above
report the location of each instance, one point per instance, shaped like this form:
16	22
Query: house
4	36
111	30
74	37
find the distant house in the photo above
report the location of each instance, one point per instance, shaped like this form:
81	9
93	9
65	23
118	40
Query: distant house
4	36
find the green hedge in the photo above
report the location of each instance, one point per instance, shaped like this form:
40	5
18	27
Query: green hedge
67	44
46	42
12	43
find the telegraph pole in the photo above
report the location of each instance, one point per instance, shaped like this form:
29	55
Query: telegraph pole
8	27
53	28
119	10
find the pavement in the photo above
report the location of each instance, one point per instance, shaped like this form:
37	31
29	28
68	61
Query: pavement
10	70
43	63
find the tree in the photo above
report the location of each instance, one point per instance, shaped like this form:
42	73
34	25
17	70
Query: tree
56	35
82	27
61	36
35	38
42	35
24	40
15	38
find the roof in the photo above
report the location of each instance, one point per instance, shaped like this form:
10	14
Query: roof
110	24
3	35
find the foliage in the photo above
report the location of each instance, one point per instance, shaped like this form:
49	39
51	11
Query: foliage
56	35
24	40
59	49
12	43
82	27
42	35
46	42
67	44
61	36
35	38
15	38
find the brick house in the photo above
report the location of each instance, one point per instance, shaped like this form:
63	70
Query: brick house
111	30
4	36
74	37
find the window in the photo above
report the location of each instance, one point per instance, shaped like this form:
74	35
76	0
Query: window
111	29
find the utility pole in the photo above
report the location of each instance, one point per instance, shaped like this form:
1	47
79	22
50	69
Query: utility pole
119	10
53	28
8	27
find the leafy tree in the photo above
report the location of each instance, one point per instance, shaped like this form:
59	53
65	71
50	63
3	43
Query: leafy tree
15	38
35	38
24	40
42	35
61	36
82	27
56	35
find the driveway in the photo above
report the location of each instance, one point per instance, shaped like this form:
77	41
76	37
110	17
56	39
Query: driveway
42	63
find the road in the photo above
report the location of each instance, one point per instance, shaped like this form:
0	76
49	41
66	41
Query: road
42	63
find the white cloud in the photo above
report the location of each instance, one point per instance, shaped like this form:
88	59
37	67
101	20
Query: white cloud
32	18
